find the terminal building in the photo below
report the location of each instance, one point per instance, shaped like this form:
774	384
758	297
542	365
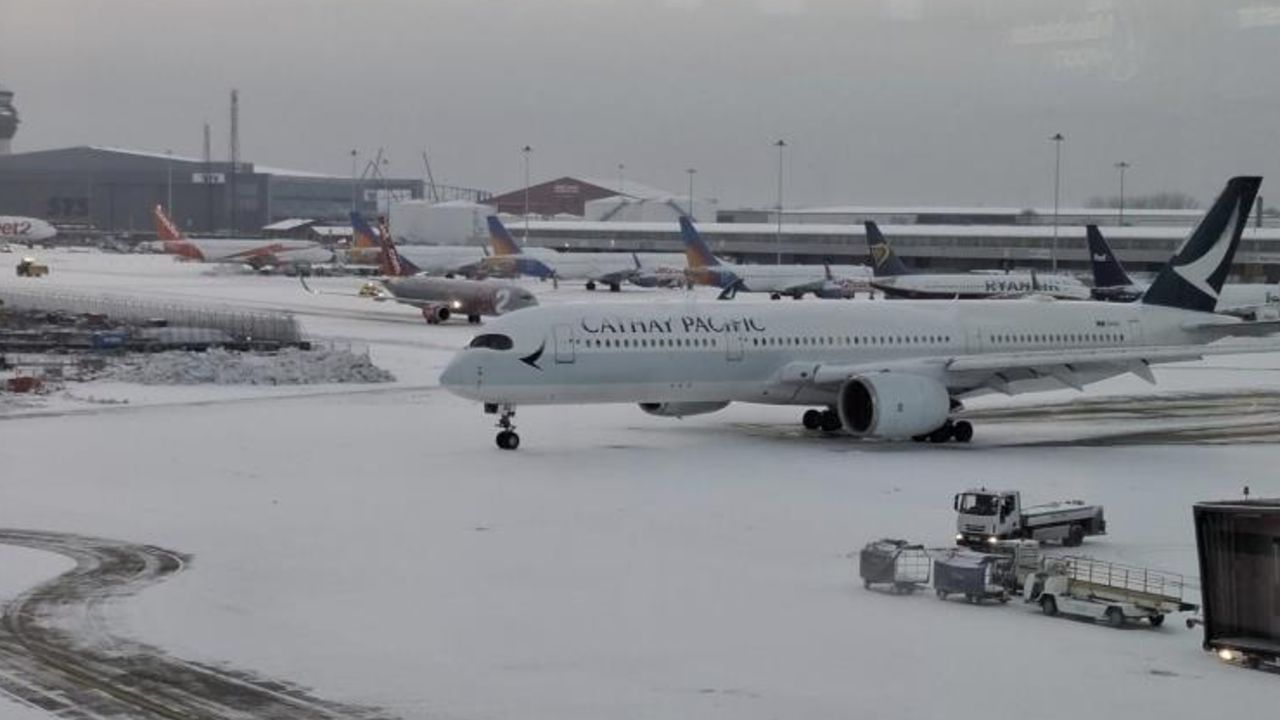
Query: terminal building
114	190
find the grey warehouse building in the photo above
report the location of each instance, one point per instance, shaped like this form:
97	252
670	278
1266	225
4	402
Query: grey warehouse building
114	190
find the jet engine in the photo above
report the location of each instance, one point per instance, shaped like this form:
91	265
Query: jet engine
682	409
892	405
436	314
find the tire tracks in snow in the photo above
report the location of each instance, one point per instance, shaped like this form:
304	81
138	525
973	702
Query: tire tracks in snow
57	652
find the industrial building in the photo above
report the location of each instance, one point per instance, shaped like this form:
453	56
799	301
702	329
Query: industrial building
568	196
114	190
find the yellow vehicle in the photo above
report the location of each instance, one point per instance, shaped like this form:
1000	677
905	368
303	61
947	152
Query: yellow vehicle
30	268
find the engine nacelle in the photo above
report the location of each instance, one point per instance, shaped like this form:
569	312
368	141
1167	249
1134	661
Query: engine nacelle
892	405
682	409
436	314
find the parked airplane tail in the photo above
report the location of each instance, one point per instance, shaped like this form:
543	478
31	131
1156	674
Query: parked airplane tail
500	238
1193	278
390	262
1107	270
165	229
884	263
696	251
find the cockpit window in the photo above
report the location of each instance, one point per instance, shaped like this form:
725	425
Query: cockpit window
493	341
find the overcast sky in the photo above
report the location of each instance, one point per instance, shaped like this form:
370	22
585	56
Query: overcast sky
881	101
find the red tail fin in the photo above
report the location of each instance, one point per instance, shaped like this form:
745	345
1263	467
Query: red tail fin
165	229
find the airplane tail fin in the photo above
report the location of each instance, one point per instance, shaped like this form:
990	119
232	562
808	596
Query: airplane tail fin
884	263
390	262
500	238
696	251
1107	270
1193	278
165	229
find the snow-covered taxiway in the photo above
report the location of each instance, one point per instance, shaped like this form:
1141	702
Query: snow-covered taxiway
369	543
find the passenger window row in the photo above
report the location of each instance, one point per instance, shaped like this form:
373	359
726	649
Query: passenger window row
612	343
1030	338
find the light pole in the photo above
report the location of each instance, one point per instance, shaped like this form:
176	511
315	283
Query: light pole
526	152
1122	166
169	201
689	210
781	145
354	183
1057	185
386	187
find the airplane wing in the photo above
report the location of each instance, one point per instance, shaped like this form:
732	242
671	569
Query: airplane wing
1003	372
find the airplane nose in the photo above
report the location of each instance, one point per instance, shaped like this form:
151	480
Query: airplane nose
460	374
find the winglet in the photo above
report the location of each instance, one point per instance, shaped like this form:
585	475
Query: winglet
696	252
1193	278
1107	270
884	263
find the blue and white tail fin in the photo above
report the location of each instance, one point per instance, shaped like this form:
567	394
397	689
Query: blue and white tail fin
1193	278
696	251
507	255
884	263
1107	270
500	239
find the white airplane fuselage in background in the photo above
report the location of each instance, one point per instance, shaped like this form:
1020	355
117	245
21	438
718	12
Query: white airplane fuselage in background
971	286
14	228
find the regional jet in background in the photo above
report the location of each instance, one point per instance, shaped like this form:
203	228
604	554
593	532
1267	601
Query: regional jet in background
794	280
446	260
889	370
1112	283
261	254
896	280
438	298
604	268
26	230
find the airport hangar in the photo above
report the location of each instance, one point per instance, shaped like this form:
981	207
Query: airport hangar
89	189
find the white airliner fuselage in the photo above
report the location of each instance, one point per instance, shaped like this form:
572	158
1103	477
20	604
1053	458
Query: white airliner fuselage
968	286
24	229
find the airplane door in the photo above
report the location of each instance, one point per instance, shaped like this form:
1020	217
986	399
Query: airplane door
564	343
733	347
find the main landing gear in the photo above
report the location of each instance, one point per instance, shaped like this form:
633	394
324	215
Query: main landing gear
825	420
961	431
507	438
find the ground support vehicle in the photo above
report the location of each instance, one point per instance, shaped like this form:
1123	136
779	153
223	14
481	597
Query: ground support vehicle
1238	542
1100	590
976	576
897	564
988	516
28	267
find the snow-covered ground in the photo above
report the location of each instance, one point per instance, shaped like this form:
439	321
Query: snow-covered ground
369	541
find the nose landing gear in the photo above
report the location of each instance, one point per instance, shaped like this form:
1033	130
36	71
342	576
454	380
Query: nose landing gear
507	438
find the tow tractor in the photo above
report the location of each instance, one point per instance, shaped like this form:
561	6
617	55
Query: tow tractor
1106	591
985	517
28	267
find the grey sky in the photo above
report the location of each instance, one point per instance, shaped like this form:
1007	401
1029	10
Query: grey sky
881	101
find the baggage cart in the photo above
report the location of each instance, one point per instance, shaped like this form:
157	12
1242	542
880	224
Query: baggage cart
897	564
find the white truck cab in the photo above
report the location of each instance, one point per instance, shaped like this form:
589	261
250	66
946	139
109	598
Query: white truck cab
985	517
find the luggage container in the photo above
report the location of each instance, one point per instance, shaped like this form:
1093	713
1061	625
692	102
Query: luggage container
901	566
1238	543
974	575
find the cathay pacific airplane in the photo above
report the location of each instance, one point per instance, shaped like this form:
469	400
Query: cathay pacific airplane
1111	282
794	280
889	370
896	280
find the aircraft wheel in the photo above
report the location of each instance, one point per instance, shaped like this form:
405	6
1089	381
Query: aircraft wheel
1115	617
812	419
919	438
831	422
1156	620
775	296
591	285
941	435
473	319
508	440
962	431
615	287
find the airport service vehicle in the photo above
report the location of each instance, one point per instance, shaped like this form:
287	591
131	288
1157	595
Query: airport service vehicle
900	565
1112	283
704	268
879	370
1238	542
261	254
28	267
605	268
26	230
976	576
1106	591
896	280
984	517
